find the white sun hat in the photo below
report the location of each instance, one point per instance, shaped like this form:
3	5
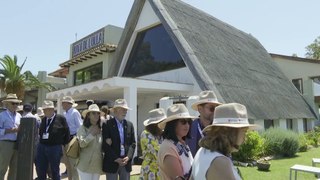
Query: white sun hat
206	97
155	116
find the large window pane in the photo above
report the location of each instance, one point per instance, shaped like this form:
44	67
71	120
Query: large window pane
152	52
88	74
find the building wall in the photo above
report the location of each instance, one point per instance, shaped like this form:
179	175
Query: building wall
182	75
305	70
295	69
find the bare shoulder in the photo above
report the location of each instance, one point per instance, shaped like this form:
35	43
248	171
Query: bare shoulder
220	168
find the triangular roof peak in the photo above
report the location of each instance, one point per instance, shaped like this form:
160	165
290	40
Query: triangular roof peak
222	58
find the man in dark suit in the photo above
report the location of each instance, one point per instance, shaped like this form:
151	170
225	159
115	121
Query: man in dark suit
54	132
118	143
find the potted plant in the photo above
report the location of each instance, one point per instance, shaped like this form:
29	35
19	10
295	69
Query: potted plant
263	165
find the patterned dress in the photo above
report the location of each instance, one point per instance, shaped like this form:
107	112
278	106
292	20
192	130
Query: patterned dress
150	148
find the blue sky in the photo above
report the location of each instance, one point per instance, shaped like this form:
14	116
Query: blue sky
42	30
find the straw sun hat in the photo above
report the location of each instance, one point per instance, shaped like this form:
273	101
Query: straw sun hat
122	103
40	112
91	108
70	100
206	97
230	115
12	98
47	105
174	112
155	116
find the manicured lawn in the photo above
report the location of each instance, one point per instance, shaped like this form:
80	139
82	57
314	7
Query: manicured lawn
280	168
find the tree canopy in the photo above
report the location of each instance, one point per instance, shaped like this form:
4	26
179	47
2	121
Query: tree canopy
313	50
12	80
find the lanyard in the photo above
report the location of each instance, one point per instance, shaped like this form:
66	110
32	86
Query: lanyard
199	129
48	124
12	116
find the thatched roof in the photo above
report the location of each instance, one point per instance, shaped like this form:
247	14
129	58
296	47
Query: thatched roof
224	59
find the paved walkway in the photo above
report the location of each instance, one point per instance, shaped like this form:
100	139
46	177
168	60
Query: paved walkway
135	171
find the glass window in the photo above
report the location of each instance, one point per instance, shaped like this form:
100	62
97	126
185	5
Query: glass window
305	125
289	124
153	51
88	74
298	84
268	124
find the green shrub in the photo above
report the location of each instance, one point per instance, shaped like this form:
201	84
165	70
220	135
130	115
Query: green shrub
303	143
281	142
251	149
313	136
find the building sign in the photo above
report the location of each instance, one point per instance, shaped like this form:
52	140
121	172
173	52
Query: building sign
93	40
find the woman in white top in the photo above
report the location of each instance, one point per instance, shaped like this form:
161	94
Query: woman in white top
224	136
174	155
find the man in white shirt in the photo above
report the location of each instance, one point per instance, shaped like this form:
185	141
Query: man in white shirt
74	121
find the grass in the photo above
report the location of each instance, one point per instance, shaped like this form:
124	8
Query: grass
280	168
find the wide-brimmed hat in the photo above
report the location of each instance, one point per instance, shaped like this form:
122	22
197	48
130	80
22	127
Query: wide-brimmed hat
70	100
91	108
206	97
155	116
19	108
122	103
47	105
174	112
12	98
230	115
40	112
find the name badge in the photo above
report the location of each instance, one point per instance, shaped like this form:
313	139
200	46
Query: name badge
45	136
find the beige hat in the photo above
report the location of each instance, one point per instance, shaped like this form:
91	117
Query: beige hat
176	111
206	97
12	98
120	103
91	108
40	112
19	108
47	105
155	116
230	115
70	100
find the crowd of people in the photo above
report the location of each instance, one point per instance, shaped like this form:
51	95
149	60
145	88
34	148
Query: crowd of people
174	144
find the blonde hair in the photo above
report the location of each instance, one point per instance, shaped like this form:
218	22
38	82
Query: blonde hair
221	139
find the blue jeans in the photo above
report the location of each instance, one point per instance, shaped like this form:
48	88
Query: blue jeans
46	155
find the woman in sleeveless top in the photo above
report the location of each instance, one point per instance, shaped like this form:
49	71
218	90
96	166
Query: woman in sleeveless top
224	136
174	156
150	141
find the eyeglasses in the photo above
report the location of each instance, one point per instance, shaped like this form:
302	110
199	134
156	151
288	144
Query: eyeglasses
15	104
185	121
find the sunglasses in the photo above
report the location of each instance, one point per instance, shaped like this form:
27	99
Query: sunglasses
185	121
15	104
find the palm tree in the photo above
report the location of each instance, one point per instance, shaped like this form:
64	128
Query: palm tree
12	80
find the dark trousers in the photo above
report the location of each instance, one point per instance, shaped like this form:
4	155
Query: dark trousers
46	155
